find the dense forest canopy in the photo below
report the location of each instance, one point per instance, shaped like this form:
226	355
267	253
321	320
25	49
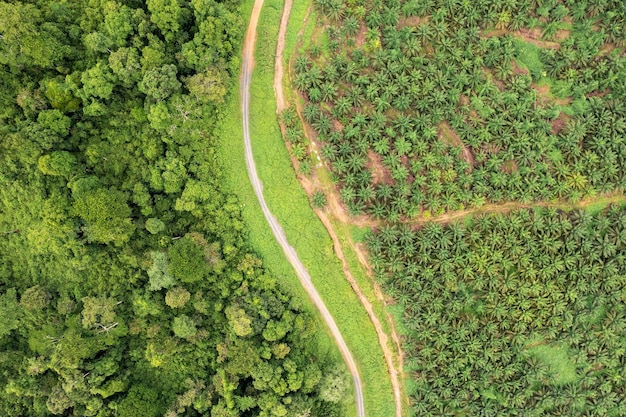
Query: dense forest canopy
127	287
428	106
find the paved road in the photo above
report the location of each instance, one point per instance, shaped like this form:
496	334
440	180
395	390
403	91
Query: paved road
279	234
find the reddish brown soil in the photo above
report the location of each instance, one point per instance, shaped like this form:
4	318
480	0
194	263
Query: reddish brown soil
337	210
360	37
490	76
533	36
599	93
412	21
545	96
562	34
559	123
449	136
380	173
509	166
517	70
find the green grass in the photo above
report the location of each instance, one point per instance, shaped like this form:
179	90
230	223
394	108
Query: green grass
290	205
527	55
560	365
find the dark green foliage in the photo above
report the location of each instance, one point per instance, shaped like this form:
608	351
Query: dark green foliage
318	200
160	83
141	401
9	312
127	287
106	214
512	312
187	261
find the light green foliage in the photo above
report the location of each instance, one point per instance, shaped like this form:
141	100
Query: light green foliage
125	64
167	15
98	311
106	214
145	304
58	401
177	297
334	386
239	321
58	163
25	40
208	86
60	96
85	156
159	116
154	225
117	22
97	42
561	365
184	326
318	200
54	120
98	82
35	298
159	273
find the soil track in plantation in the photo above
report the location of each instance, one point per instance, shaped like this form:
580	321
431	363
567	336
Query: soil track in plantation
338	212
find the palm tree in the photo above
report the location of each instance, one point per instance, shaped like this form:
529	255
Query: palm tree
350	26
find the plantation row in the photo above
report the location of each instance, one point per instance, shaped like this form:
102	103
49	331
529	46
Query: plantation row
426	107
519	314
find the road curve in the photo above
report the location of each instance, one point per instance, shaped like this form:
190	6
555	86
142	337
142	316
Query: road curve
279	234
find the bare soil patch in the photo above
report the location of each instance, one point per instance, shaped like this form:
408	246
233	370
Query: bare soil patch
535	37
360	37
559	123
412	21
490	76
599	93
543	90
380	173
509	166
449	136
562	34
546	97
517	70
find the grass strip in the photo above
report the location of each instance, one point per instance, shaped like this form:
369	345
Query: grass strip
290	205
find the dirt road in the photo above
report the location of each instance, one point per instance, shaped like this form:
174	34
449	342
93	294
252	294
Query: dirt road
279	234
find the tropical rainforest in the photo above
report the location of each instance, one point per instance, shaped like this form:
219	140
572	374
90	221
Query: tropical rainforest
428	111
127	285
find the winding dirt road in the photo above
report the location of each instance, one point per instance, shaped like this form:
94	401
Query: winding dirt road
279	234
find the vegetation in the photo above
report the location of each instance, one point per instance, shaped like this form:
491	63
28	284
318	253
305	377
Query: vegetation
424	107
304	231
509	314
427	107
127	284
